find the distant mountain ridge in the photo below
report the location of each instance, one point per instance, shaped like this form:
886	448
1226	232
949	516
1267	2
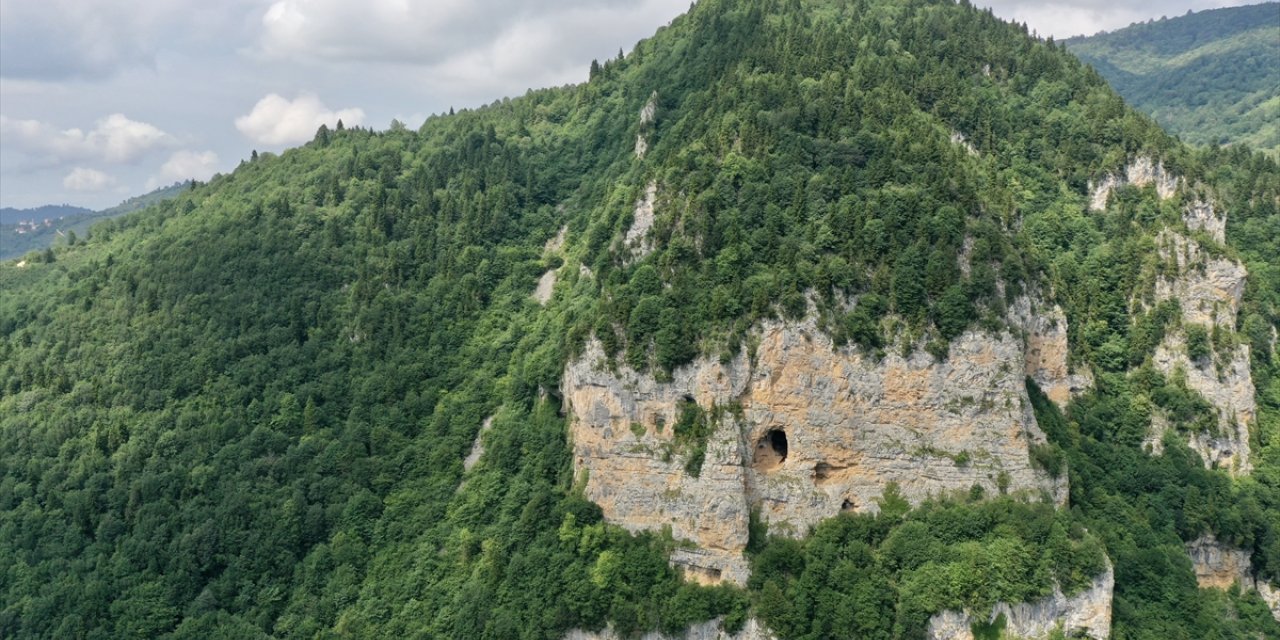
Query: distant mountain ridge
1211	77
10	215
23	230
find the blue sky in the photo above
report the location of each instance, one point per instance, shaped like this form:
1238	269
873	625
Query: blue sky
105	99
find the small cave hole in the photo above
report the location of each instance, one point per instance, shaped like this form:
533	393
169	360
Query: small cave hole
771	450
848	505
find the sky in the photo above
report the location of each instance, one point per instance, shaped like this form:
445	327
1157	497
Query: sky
101	100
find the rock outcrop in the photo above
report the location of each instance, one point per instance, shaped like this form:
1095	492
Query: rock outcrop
1219	566
710	630
1044	328
1201	216
648	114
477	446
637	240
1208	289
801	432
1086	613
1141	171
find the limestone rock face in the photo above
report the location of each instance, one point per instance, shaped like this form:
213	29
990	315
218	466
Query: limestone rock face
710	630
1208	289
959	139
1045	330
1087	613
1141	171
803	432
477	446
637	238
1201	216
648	113
546	286
1219	566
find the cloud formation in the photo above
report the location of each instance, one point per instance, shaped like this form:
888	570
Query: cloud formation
275	120
51	40
185	165
1065	18
87	180
114	139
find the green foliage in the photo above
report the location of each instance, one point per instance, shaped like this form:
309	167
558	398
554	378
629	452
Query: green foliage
1209	76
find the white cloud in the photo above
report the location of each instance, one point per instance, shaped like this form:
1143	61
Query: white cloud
82	179
1065	18
430	33
278	121
114	138
51	40
185	165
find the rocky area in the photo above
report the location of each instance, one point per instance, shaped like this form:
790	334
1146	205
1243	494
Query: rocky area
648	114
1219	566
803	431
1044	328
637	239
1087	614
1140	172
710	630
1208	289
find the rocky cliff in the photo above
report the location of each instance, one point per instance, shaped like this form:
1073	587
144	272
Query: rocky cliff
1219	566
1208	289
710	630
1140	172
803	431
1087	613
1208	286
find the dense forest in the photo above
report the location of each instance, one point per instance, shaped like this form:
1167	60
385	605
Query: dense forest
243	412
1210	77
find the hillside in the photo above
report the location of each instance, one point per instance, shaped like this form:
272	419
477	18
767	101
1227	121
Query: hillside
1211	77
841	319
69	222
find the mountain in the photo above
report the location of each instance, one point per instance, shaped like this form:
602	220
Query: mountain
805	318
1210	77
10	215
48	223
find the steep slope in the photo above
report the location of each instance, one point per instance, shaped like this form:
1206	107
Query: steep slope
1212	77
344	391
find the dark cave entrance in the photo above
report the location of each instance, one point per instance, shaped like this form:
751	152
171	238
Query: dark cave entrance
770	451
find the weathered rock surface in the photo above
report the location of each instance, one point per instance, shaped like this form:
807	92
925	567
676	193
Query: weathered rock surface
1219	566
1208	289
1046	352
477	447
546	286
710	630
959	139
1201	216
850	425
648	113
1140	171
637	239
1087	613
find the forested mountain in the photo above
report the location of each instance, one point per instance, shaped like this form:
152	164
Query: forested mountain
332	393
68	223
1211	77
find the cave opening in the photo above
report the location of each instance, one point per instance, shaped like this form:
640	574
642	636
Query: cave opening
771	450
